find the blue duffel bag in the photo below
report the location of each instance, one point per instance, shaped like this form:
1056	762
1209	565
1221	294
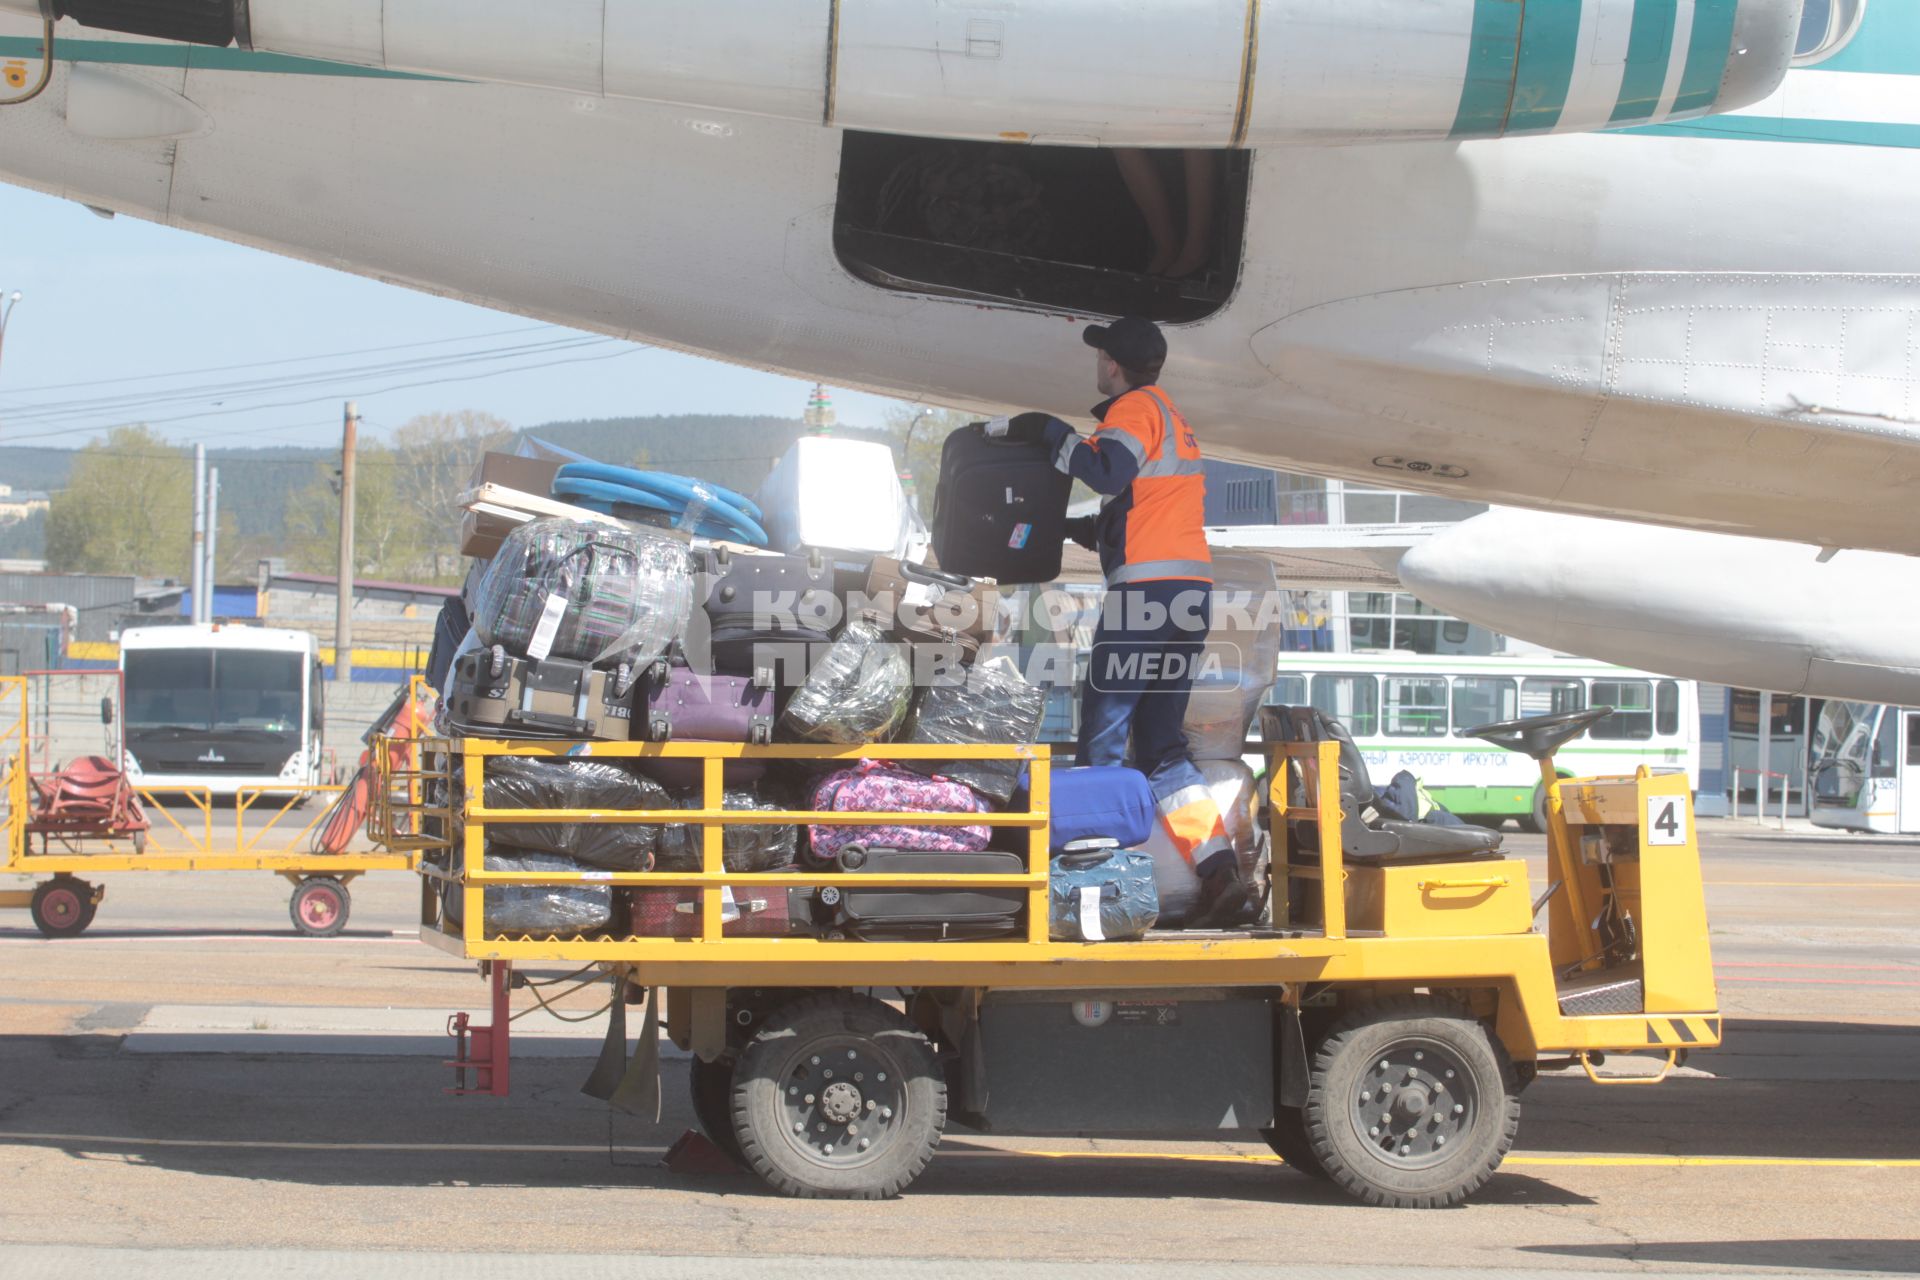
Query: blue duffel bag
1099	892
1102	802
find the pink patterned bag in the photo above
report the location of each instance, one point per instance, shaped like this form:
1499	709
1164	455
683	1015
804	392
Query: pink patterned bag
875	787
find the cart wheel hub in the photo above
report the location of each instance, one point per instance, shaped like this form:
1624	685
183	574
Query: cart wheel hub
1410	1104
840	1103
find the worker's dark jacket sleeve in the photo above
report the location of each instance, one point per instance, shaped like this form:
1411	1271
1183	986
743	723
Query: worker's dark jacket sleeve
1108	460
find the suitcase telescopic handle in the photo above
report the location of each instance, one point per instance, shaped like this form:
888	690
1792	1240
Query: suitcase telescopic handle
934	577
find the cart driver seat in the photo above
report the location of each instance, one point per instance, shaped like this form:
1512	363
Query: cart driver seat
1373	841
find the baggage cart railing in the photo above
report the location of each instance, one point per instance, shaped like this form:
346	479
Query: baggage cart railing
475	819
1310	764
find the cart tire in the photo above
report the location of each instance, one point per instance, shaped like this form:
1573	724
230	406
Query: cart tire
139	842
63	907
1451	1117
861	1083
320	906
711	1086
1289	1141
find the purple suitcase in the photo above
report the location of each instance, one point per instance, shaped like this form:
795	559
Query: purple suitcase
683	705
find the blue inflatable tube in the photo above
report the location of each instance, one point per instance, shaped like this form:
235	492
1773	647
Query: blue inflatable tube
724	517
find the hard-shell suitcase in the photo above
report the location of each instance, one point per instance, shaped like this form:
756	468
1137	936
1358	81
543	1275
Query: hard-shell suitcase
917	603
922	915
678	704
492	695
1000	510
764	612
750	911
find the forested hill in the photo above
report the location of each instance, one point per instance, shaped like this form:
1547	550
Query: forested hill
257	485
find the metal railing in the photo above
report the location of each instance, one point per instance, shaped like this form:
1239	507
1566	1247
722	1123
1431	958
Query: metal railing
1763	779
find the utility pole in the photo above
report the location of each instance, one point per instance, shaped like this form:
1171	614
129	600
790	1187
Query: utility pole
6	310
199	576
343	618
210	577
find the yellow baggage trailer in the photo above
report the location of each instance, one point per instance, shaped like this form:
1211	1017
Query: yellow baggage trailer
1378	1031
272	830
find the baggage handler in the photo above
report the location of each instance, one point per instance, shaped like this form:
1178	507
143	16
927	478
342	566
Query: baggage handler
1144	462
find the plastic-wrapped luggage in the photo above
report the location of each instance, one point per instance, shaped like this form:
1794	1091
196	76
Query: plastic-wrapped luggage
513	782
874	787
1174	880
858	691
994	704
1099	892
536	908
588	592
1236	793
1241	657
744	847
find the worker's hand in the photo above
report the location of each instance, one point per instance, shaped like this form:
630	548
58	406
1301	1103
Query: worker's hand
998	427
1080	529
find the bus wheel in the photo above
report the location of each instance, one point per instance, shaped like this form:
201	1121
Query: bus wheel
1412	1104
1534	820
63	907
1289	1141
838	1096
320	906
711	1087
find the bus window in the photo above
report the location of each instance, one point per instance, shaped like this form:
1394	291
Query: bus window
1666	708
1416	706
1540	696
1886	745
1479	700
1632	703
1352	700
1289	690
1913	738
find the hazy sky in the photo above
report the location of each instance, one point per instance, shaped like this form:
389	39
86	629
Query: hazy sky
121	298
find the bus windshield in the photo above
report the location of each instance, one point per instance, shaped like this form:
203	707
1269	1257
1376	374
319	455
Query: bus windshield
1842	743
213	690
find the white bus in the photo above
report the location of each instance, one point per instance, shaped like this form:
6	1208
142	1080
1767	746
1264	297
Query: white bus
1866	768
1417	712
221	707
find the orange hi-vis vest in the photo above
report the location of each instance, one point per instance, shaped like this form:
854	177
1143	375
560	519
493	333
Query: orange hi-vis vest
1156	528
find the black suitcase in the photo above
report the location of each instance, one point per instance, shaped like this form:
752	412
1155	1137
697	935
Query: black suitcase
761	609
491	695
922	915
1000	509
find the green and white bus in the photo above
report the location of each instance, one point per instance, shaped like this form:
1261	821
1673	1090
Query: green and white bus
1418	711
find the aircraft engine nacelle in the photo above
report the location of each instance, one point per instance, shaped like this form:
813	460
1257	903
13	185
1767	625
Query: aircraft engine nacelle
1198	73
1747	612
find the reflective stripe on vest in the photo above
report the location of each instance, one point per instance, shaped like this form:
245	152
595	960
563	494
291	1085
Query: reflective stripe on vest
1169	463
1149	569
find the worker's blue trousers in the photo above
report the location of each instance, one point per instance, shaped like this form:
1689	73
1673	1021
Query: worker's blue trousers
1145	653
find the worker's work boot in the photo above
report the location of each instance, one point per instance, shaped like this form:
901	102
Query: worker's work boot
1224	900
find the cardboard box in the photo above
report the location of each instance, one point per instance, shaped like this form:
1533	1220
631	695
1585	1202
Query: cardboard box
481	533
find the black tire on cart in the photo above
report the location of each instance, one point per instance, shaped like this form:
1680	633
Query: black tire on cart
838	1096
1412	1104
320	906
1289	1141
63	907
139	842
711	1087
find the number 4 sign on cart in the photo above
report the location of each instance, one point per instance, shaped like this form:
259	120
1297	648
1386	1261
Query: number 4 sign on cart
1666	820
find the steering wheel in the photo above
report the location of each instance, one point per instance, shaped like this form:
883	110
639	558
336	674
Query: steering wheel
1540	736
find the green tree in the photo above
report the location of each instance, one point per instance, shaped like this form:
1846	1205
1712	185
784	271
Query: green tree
127	508
917	434
386	541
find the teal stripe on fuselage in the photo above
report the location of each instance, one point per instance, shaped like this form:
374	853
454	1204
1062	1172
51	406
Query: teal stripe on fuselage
194	56
1649	47
1708	54
1492	58
1833	133
1549	34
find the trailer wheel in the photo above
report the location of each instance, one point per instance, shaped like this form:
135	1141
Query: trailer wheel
63	907
320	906
1412	1104
838	1096
711	1086
1290	1142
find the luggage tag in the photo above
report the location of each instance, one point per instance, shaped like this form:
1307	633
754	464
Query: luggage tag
547	628
1090	930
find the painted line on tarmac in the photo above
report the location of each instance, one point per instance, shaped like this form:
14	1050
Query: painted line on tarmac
964	1149
1816	982
101	940
1801	964
1812	884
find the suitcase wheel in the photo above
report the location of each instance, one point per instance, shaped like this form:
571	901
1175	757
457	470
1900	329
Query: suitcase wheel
829	895
660	728
853	857
497	661
763	677
762	733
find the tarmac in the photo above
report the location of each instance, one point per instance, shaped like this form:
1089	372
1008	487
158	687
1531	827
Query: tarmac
189	1089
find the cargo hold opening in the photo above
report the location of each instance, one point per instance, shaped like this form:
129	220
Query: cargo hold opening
1063	228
